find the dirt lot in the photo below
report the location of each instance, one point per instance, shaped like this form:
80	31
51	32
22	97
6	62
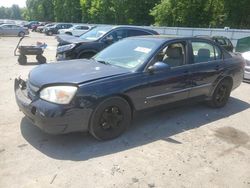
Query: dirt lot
189	146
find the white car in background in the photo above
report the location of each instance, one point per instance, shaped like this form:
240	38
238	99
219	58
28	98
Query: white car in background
76	30
246	56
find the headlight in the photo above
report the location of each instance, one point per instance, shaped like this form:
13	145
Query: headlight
58	94
65	48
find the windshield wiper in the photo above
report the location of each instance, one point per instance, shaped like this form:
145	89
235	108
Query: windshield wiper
103	62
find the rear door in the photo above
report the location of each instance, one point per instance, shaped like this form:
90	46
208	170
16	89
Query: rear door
15	29
207	65
6	30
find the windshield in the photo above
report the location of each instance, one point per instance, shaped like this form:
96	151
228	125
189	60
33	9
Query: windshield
128	53
96	33
49	25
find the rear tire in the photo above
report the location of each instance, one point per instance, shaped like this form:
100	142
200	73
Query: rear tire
110	119
221	94
22	60
41	59
68	33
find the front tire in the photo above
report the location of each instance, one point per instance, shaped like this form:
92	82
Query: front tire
22	60
221	94
110	119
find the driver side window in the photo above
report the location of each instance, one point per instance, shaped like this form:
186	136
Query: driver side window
173	55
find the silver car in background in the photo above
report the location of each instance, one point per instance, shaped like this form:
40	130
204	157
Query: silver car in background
13	30
246	56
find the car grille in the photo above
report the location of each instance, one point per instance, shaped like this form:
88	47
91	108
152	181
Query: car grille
32	91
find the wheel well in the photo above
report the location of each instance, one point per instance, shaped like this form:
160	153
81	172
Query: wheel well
229	79
87	52
69	33
129	101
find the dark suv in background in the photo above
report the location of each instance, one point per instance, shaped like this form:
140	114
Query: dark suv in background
93	41
224	42
221	40
54	29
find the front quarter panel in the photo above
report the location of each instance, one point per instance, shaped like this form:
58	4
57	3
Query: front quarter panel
127	86
87	47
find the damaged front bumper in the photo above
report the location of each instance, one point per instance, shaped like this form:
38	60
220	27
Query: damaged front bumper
51	118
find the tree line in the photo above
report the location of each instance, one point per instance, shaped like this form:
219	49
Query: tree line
185	13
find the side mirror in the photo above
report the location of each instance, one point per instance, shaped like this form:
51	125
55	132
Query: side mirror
158	67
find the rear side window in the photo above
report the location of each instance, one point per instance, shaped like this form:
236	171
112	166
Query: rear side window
7	27
204	52
133	32
119	34
221	41
84	27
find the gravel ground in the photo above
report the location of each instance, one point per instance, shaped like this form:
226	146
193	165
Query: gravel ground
187	146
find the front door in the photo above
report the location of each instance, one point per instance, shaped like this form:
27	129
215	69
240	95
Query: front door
172	84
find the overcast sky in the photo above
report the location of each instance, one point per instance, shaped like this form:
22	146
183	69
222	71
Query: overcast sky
9	3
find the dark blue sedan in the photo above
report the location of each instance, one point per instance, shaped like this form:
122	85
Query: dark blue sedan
100	95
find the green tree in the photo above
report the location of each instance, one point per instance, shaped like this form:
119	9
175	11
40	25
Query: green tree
118	11
13	12
187	13
67	10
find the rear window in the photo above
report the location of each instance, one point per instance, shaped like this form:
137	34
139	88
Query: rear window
133	32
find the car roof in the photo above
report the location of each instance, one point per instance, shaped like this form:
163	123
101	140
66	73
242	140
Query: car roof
128	27
211	37
63	23
165	38
134	27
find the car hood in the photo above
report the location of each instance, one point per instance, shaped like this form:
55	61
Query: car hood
73	72
68	39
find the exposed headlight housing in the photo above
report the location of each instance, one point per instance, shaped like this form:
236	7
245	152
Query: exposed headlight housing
58	94
65	48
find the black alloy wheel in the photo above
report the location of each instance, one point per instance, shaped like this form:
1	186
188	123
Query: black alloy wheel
221	94
110	119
